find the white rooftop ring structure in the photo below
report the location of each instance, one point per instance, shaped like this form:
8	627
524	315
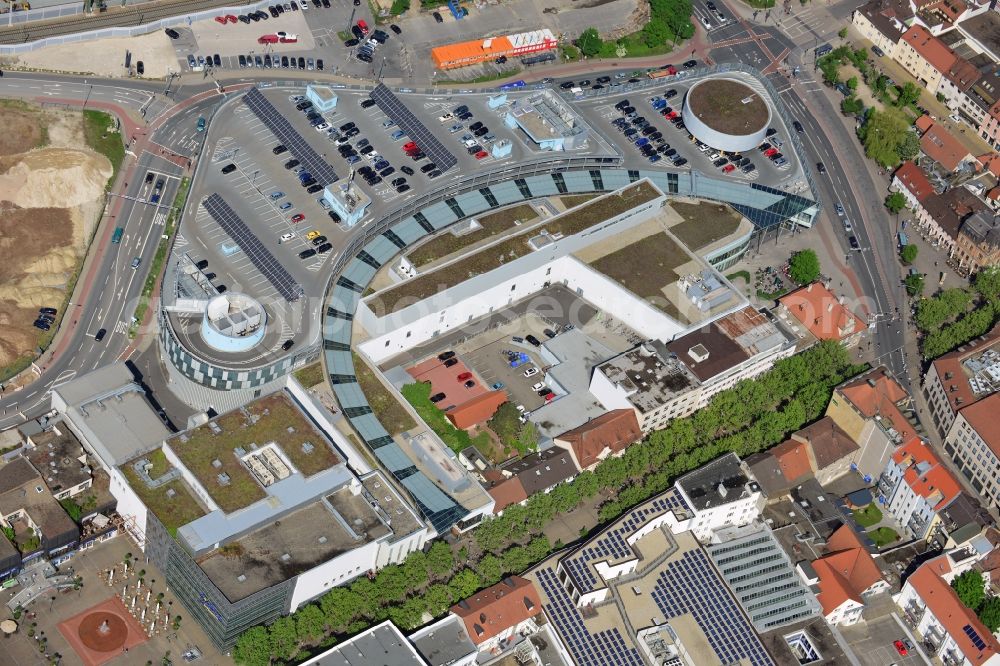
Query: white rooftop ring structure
726	114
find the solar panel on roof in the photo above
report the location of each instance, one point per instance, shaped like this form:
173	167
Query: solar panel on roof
298	147
411	125
259	256
974	637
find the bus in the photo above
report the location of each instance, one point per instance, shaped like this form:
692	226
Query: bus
117	236
513	85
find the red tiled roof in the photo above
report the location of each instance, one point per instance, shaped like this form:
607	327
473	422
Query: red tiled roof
475	411
492	611
876	393
818	310
846	571
613	430
939	145
923	123
963	74
507	492
990	162
925	474
942	601
792	458
982	416
951	363
828	442
993	194
915	180
930	48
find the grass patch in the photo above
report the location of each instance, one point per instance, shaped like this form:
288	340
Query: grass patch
310	375
419	396
161	252
173	512
265	420
344	35
493	224
868	516
759	4
107	142
764	296
584	217
883	536
645	267
392	415
569	52
704	223
574	200
485	78
743	275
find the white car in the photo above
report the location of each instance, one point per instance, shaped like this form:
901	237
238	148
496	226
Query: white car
322	127
285	237
708	24
538	387
531	372
520	409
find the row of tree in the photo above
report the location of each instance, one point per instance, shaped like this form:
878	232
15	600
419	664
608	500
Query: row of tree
750	417
955	316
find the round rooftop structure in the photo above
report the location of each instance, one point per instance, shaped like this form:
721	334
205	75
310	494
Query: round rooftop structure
726	114
233	322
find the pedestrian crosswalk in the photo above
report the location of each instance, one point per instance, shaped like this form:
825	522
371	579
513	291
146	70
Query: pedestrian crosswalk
810	21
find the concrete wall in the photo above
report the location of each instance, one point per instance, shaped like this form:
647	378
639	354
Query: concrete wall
130	507
339	570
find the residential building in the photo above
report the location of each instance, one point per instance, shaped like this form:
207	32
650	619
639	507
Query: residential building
978	243
607	435
719	494
40	525
924	56
815	313
505	491
60	459
973	442
822	450
941	215
940	145
476	410
541	471
845	577
979	103
911	181
445	643
951	632
883	22
961	377
495	616
915	487
956	82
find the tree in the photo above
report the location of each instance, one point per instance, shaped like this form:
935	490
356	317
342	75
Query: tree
914	284
970	588
399	7
909	147
989	613
505	423
590	42
852	83
988	283
310	623
842	33
655	33
284	638
895	202
908	254
440	559
909	93
852	106
803	267
253	647
882	135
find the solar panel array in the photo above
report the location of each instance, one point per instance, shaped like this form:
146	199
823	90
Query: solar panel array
290	137
604	648
612	544
259	255
691	585
411	125
974	637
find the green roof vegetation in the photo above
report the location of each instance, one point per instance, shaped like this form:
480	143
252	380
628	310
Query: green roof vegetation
174	509
270	419
310	375
492	225
509	249
645	267
574	200
704	223
419	395
387	409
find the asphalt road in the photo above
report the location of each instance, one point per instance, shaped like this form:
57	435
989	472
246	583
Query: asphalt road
110	304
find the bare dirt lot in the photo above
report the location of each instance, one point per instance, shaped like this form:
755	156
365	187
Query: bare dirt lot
51	194
104	57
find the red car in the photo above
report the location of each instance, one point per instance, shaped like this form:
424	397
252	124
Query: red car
298	217
481	154
232	18
671	115
900	648
465	375
221	19
363	26
409	146
771	151
549	397
728	168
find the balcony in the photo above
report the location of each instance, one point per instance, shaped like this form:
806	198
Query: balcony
917	526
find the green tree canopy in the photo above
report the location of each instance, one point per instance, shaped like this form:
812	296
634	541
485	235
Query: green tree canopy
803	267
909	93
914	284
882	134
895	202
908	254
842	33
655	33
253	648
852	83
970	588
988	283
590	42
989	613
851	106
